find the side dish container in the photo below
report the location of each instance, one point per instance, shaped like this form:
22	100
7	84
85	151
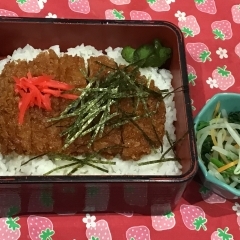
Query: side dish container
72	194
229	102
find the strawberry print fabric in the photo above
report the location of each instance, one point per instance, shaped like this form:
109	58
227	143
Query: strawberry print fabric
211	31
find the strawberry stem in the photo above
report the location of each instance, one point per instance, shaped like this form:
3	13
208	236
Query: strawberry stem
218	34
151	1
94	238
187	32
46	234
118	15
223	234
169	215
200	223
21	1
191	78
204	56
199	1
223	72
12	223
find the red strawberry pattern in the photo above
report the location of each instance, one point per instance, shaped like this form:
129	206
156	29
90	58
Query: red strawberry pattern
113	14
139	15
192	104
210	197
10	203
224	78
193	217
222	29
135	195
9	228
206	6
40	201
237	49
199	52
189	27
162	222
126	214
40	228
30	6
221	234
96	197
236	13
7	13
238	220
138	233
120	2
158	5
79	6
100	232
191	75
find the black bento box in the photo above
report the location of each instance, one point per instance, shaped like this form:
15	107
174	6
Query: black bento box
72	194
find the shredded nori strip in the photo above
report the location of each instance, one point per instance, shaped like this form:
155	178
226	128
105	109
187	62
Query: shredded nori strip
92	110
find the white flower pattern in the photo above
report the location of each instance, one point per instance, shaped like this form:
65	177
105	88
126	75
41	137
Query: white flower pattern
180	15
212	83
222	53
90	221
41	3
236	208
51	15
170	1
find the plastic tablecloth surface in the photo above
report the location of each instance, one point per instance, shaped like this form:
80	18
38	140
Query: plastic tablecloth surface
212	34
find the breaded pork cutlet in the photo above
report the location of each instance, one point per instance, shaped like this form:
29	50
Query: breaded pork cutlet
37	136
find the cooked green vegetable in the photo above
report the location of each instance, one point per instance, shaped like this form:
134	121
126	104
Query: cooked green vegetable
206	149
154	55
234	117
202	124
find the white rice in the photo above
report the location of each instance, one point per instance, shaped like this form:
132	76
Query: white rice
11	165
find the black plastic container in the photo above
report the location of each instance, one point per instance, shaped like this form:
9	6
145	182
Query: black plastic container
72	194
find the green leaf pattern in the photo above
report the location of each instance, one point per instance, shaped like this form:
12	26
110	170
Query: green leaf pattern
46	234
200	223
12	223
223	234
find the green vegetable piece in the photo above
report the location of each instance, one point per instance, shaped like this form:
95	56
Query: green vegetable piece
143	52
234	117
216	162
206	148
127	53
202	124
165	54
148	55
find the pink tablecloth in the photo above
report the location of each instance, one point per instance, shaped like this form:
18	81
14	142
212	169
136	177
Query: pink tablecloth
211	28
